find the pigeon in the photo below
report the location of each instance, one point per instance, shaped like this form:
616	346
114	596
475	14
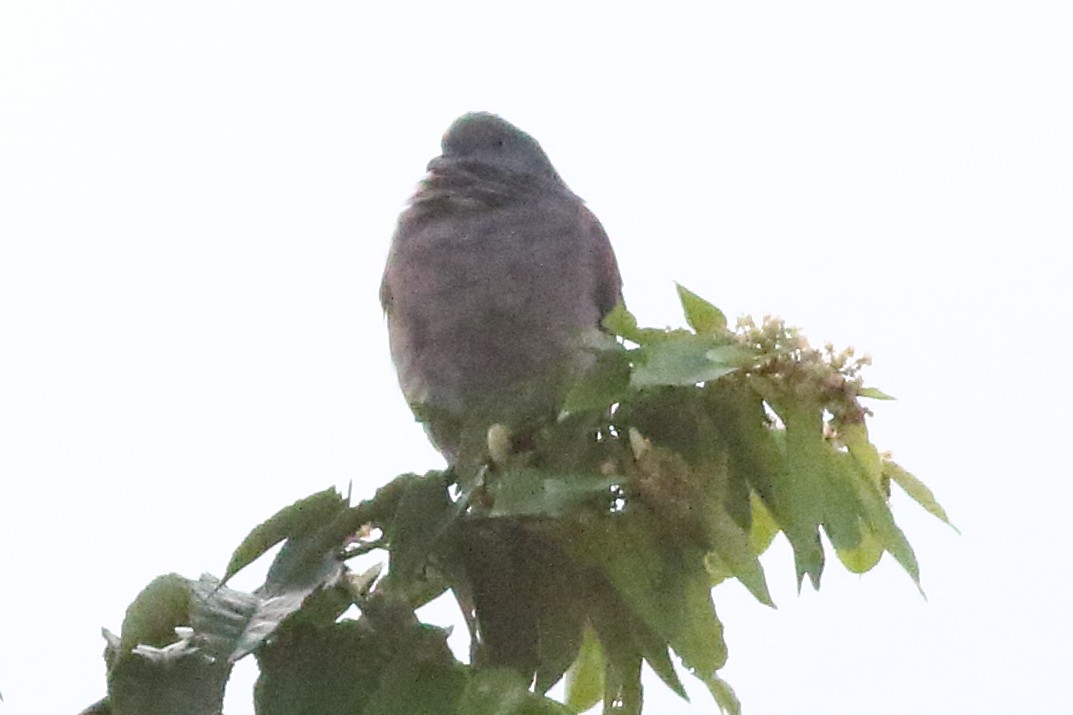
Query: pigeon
496	283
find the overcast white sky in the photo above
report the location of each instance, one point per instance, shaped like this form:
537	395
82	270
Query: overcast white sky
196	200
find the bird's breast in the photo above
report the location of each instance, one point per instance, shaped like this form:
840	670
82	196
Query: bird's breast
483	301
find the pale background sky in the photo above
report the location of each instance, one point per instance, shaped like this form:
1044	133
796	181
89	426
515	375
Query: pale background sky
196	200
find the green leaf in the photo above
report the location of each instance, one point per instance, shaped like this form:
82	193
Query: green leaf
294	679
701	315
561	595
311	559
625	640
420	527
763	529
687	359
602	385
864	556
154	614
534	492
718	571
917	490
422	680
801	491
299	518
154	669
722	693
700	643
842	509
655	651
877	515
496	691
621	322
731	545
502	691
758	456
382	664
874	394
177	680
623	694
650	572
585	678
855	436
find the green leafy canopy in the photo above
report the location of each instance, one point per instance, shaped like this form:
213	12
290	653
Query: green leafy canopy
678	458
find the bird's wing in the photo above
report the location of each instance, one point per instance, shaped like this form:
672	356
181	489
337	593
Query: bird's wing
608	281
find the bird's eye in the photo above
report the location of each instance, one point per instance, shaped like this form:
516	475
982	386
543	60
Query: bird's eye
501	142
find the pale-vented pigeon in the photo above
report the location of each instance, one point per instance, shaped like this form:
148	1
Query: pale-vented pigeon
497	279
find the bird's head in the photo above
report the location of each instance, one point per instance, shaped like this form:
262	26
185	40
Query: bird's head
482	140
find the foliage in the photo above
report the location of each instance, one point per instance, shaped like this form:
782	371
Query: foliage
677	460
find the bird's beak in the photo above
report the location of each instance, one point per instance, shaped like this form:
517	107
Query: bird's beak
439	165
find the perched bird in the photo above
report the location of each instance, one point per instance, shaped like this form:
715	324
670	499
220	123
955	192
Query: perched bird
496	283
497	278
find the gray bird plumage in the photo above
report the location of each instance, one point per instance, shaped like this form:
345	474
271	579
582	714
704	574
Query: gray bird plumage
497	277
